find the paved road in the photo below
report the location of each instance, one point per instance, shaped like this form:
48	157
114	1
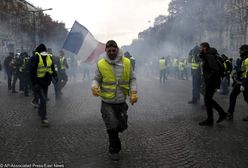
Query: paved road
163	130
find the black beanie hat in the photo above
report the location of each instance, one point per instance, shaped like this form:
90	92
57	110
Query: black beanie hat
41	48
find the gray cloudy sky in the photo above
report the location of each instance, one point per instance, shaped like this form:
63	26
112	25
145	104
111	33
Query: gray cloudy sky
120	20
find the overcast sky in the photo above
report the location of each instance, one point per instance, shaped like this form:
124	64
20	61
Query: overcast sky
120	20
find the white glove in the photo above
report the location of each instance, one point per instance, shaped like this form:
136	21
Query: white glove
242	88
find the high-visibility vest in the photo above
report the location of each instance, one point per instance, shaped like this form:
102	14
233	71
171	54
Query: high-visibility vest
181	66
42	69
174	62
194	65
162	64
225	65
62	65
24	64
244	68
109	83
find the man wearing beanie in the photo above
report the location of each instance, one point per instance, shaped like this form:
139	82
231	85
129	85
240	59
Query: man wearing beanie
113	82
41	73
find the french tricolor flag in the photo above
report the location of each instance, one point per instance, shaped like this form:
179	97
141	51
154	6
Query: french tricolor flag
82	43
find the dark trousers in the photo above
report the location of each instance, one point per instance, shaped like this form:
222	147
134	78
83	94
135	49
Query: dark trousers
233	97
176	72
26	83
185	73
56	89
9	74
114	141
163	76
196	84
62	80
16	76
22	81
115	119
224	85
42	94
210	102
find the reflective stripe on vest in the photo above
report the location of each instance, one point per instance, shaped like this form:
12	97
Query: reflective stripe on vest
244	68
109	84
56	67
194	65
42	70
162	64
62	65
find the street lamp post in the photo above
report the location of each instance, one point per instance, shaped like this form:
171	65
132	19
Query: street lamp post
35	34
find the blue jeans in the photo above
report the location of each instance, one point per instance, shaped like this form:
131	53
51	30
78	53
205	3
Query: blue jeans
224	85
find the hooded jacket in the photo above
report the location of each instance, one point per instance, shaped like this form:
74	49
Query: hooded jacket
34	60
117	69
210	66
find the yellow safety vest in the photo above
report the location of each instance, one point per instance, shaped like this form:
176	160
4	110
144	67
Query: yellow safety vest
62	65
174	62
25	61
109	83
244	68
162	64
194	65
181	66
42	69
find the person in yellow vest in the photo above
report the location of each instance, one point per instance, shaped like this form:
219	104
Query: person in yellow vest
228	69
56	65
114	80
196	72
41	73
162	66
175	63
62	76
240	82
186	69
24	73
181	68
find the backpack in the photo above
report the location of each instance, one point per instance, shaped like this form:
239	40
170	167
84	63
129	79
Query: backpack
220	61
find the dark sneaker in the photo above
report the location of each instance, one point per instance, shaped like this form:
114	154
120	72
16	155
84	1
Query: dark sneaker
35	104
14	91
192	102
245	119
44	123
222	117
114	156
206	123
